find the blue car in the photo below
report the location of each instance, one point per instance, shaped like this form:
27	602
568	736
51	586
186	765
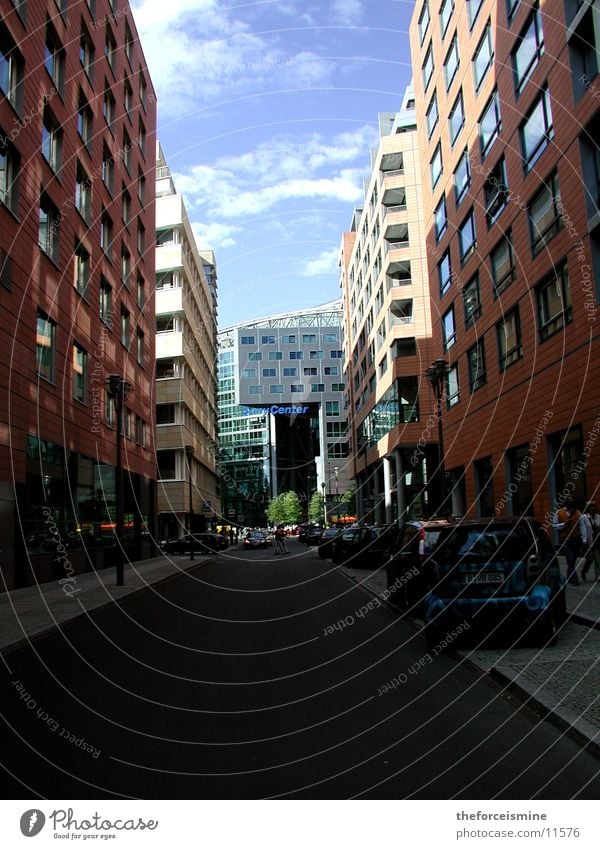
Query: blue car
493	573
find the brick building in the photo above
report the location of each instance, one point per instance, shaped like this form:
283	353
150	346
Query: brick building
508	114
77	145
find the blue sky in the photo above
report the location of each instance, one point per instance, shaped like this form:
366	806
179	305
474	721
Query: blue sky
267	112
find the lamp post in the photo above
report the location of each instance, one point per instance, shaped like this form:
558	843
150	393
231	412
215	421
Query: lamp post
436	375
118	389
324	505
335	472
189	453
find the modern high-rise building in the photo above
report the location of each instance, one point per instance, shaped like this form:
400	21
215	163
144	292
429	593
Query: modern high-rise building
77	127
186	357
387	330
282	423
509	120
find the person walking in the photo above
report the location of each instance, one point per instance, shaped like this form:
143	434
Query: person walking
568	525
592	555
280	546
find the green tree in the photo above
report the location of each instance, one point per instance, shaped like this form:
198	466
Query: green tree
285	509
315	507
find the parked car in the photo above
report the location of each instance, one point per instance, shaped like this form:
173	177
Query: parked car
326	541
496	573
255	539
206	543
364	546
405	568
313	535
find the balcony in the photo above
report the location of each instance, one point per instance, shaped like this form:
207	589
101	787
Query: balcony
169	344
395	237
394	200
398	274
169	300
392	164
401	312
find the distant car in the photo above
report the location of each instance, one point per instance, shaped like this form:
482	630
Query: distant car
269	537
313	535
206	543
326	542
489	573
256	539
364	546
222	541
303	532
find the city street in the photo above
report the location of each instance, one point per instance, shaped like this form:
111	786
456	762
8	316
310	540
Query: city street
254	675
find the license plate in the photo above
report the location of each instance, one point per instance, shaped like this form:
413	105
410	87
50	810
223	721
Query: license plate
485	578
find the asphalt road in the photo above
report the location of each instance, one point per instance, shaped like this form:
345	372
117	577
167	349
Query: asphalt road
231	681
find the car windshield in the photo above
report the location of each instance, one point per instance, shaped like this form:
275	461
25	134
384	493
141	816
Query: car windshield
497	544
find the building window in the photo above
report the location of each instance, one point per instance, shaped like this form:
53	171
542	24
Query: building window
316	355
110	48
329	338
529	48
255	390
45	346
108	169
85	121
307	372
125	327
276	389
86	53
269	372
536	131
436	166
167	369
472	301
142	139
467	237
126	207
139	347
288	340
297	387
554	308
476	361
83	193
583	49
296	355
141	238
448	329
248	373
457	118
495	192
424	20
54	59
267	340
441	218
11	69
446	10
109	107
482	60
452	386
290	372
502	264
332	408
336	429
432	115
165	414
248	340
141	292
51	140
9	171
445	272
484	486
166	462
508	332
143	90
338	387
490	124
106	302
317	387
141	187
308	338
79	374
127	148
427	67
128	44
125	267
49	224
338	451
336	355
331	370
275	355
511	8
462	177
254	356
127	97
545	219
106	233
473	8
451	62
167	323
82	270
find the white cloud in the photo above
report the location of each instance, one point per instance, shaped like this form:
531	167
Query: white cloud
325	263
213	235
348	12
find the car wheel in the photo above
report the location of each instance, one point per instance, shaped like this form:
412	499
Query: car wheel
545	630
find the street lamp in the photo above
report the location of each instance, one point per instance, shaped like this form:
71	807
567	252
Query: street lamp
324	504
436	375
335	472
189	453
118	389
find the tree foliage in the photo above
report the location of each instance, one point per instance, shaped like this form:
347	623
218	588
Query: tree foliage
285	509
315	507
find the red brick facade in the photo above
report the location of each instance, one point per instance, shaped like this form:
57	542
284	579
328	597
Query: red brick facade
530	420
78	69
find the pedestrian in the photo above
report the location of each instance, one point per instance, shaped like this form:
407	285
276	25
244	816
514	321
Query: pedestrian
280	546
568	525
231	536
592	555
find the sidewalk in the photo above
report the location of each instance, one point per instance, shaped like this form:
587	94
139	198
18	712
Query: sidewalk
33	611
560	682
